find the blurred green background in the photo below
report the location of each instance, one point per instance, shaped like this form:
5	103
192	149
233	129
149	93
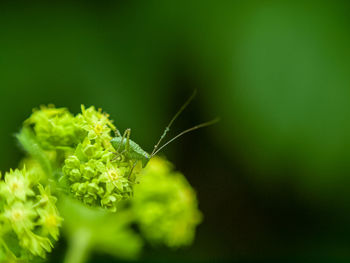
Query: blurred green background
273	176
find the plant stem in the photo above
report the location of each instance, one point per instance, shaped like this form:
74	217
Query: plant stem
78	246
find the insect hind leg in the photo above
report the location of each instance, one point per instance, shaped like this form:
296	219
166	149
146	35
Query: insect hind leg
117	133
131	170
126	135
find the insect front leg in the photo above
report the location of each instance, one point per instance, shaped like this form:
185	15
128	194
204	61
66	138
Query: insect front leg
117	155
127	145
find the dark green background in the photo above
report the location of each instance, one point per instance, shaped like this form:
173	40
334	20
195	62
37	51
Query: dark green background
273	176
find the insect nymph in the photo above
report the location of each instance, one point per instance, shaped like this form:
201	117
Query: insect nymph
131	150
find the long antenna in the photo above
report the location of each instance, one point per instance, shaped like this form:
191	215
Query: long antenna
167	129
205	124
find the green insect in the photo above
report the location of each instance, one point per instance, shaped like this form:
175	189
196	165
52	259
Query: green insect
131	150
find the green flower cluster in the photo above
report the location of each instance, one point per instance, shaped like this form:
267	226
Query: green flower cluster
95	179
165	205
90	170
57	128
95	125
29	220
53	127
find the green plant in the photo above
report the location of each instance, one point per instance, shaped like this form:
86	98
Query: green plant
73	182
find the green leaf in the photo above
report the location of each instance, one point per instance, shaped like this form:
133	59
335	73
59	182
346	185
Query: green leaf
30	144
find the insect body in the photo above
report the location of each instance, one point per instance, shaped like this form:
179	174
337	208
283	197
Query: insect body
131	150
